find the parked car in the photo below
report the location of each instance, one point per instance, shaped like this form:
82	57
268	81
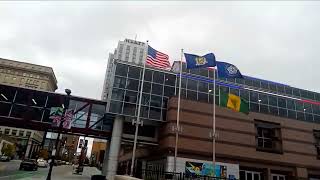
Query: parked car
5	158
29	164
42	163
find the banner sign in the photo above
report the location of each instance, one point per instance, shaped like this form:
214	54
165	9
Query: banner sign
206	169
56	114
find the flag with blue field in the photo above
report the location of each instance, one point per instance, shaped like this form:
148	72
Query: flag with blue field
227	70
195	61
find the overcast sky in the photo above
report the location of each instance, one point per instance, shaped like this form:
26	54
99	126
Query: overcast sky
277	41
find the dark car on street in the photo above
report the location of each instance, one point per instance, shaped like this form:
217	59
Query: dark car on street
29	164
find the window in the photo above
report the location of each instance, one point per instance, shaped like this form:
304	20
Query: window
256	83
272	87
248	82
192	95
129	109
268	137
224	89
121	70
239	81
250	175
158	77
146	87
148	75
155	113
296	92
7	131
192	84
131	96
288	90
244	94
280	88
273	101
155	101
117	94
28	133
316	134
263	99
14	132
134	72
119	82
278	177
168	91
170	79
21	133
133	84
254	107
115	106
253	96
157	89
282	102
202	97
234	91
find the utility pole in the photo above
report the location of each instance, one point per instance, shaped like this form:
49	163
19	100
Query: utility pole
66	106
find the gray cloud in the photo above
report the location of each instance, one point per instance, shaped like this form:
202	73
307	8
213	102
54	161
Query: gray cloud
272	40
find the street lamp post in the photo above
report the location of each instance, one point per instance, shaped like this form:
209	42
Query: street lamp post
66	106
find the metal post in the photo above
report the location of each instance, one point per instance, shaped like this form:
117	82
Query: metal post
138	122
214	123
59	132
177	129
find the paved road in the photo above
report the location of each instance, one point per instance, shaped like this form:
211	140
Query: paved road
10	171
64	173
7	168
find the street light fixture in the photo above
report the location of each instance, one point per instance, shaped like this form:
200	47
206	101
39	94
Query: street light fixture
259	104
54	152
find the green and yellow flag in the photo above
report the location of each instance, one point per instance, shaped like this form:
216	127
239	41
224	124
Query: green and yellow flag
234	102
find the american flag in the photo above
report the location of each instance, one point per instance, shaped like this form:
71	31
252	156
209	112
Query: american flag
157	59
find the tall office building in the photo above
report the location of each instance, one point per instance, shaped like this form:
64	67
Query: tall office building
130	51
21	74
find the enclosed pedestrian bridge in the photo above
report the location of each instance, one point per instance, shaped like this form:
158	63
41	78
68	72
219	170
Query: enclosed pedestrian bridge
32	109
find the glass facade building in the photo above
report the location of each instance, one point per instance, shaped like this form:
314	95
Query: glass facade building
263	96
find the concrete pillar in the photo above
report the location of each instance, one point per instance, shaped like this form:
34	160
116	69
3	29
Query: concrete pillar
29	146
110	167
105	160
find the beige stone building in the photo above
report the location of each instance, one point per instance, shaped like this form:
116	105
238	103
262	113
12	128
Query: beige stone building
26	75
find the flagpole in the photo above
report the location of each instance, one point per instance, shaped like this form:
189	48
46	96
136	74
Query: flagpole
138	122
214	123
177	129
